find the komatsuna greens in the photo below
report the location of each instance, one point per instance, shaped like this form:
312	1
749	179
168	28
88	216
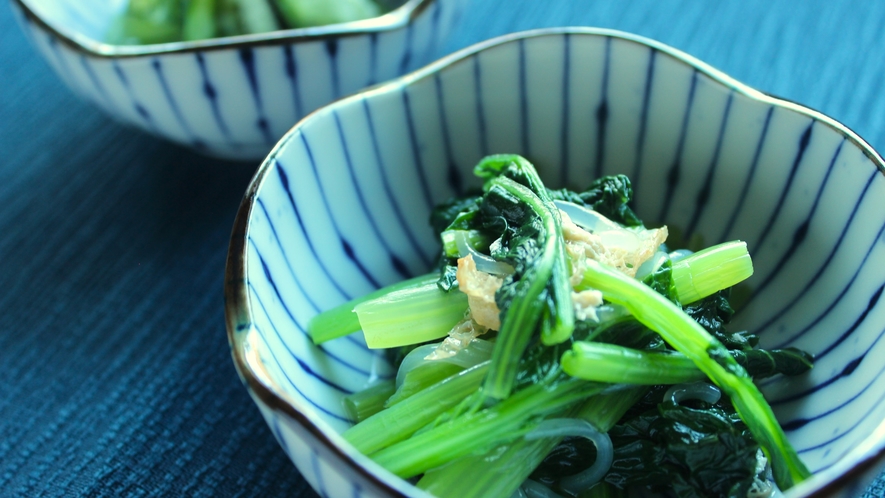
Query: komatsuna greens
145	22
562	349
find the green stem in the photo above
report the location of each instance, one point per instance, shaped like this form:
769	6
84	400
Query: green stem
341	320
526	308
147	22
604	410
484	429
305	13
256	16
410	316
363	404
602	362
711	270
199	20
501	471
421	378
403	419
711	357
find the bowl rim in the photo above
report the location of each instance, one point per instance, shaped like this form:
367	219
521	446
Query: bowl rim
858	461
390	21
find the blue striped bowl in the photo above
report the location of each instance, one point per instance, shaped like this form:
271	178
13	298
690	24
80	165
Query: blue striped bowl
230	97
340	207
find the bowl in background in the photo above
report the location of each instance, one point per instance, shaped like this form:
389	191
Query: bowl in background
340	207
230	97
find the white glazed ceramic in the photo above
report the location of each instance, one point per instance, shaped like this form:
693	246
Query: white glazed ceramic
230	97
341	205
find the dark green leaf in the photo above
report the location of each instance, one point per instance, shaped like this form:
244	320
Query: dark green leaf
760	363
454	213
608	195
699	452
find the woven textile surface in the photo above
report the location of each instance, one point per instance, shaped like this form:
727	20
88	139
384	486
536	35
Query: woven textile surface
118	379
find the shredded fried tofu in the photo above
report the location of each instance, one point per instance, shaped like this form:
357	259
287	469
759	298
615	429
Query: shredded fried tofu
459	338
480	288
624	250
585	303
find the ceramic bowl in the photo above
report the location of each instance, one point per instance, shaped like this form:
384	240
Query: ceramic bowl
340	207
230	97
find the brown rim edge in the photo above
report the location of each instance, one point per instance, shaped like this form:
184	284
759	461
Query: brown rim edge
395	19
236	308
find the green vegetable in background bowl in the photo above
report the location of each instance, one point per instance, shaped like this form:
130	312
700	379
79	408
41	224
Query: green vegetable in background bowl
162	21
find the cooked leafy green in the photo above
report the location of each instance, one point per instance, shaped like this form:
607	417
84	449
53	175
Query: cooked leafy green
577	340
697	452
609	196
145	22
536	298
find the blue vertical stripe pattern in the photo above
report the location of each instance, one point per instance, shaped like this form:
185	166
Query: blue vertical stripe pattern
566	97
826	264
523	104
415	147
804	140
291	68
347	246
211	94
388	190
136	105
453	174
801	231
247	57
601	113
742	197
643	117
173	105
395	260
674	172
331	45
704	195
103	94
480	114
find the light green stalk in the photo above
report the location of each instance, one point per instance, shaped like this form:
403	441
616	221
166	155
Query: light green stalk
341	320
410	316
403	419
711	270
421	378
199	20
479	431
363	404
500	472
602	362
304	13
256	16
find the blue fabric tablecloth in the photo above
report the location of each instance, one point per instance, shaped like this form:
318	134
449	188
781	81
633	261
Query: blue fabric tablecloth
116	373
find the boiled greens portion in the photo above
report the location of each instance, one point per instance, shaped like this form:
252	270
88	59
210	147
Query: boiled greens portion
570	351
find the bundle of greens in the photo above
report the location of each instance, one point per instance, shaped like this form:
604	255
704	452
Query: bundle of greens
160	21
562	350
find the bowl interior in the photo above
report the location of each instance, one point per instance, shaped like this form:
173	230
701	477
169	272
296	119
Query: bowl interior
341	208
